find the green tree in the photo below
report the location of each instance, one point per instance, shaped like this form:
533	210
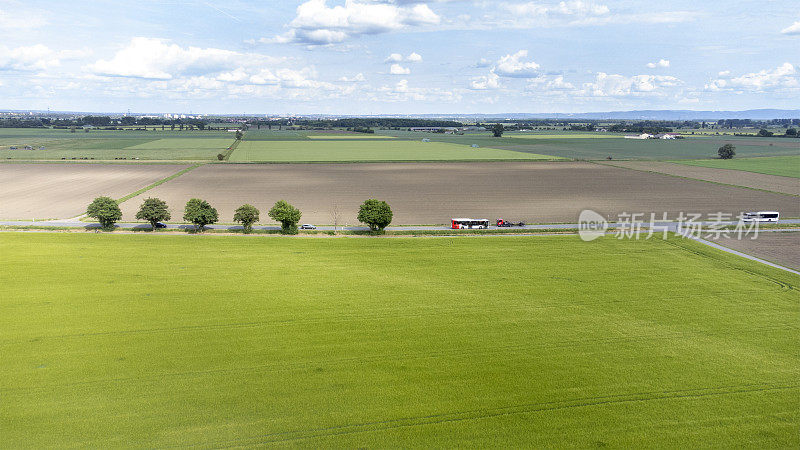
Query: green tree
791	132
375	213
106	211
247	215
726	151
220	156
497	130
239	135
764	133
200	213
287	215
153	210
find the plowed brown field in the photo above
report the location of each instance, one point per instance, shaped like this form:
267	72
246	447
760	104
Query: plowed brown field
58	191
773	183
432	193
780	247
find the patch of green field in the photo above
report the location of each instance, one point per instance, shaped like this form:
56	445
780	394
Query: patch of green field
107	145
564	136
564	145
786	166
342	151
160	341
348	136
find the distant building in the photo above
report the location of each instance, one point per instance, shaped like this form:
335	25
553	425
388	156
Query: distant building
641	136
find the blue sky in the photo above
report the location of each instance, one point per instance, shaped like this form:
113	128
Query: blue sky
398	56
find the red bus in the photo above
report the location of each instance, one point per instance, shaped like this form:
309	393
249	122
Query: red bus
463	223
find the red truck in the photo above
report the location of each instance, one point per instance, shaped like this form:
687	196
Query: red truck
505	224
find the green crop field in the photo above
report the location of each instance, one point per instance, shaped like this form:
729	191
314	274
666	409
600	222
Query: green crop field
107	145
160	341
583	146
348	136
556	135
369	150
786	166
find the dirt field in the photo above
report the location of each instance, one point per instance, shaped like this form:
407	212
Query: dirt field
432	193
778	247
736	177
58	191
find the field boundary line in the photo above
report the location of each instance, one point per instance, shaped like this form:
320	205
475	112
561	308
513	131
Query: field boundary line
603	163
229	151
159	183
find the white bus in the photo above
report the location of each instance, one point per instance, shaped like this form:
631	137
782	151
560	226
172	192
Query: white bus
761	216
463	223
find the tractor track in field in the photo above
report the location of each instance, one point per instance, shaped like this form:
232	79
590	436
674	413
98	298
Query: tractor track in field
488	413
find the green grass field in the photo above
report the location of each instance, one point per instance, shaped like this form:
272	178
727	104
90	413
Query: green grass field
385	145
583	146
107	145
348	136
368	150
786	166
160	341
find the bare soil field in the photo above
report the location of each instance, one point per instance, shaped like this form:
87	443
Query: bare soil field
773	183
59	191
432	193
780	247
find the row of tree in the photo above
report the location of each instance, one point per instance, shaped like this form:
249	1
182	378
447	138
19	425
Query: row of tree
374	213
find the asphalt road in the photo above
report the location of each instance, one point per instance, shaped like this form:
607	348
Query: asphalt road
669	225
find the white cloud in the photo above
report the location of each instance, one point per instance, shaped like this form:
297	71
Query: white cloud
567	8
792	29
661	63
614	85
483	62
318	24
490	81
784	76
397	69
394	57
401	91
19	21
397	57
513	66
546	83
724	73
573	13
33	58
262	77
358	78
157	59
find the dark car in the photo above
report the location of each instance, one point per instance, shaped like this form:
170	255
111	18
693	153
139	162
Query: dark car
307	226
161	225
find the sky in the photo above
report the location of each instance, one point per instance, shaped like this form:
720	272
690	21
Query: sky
398	56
